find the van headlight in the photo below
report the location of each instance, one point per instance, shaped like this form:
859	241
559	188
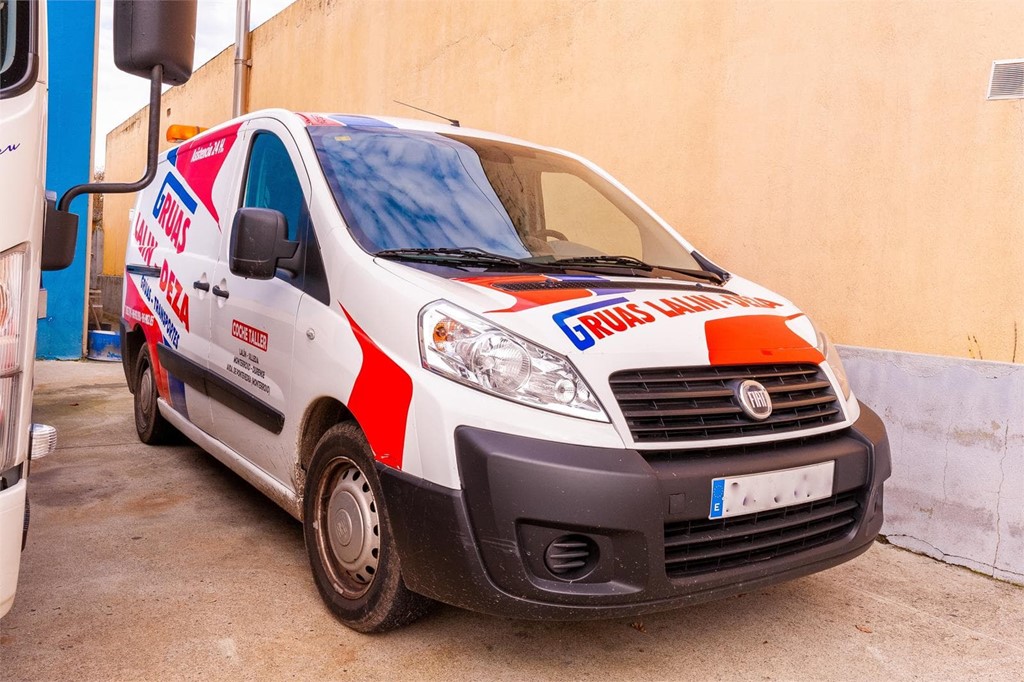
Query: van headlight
461	346
828	349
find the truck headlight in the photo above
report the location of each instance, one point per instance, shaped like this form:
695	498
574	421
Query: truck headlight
828	349
465	348
12	294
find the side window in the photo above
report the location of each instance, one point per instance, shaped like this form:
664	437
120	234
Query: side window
8	36
271	181
17	43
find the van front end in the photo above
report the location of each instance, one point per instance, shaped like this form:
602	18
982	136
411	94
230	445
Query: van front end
675	494
601	420
543	529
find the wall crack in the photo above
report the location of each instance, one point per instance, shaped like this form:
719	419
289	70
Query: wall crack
942	555
999	493
498	45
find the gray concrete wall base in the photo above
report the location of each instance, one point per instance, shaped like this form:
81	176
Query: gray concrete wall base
956	427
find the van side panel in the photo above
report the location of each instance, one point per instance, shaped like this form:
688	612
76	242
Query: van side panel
172	249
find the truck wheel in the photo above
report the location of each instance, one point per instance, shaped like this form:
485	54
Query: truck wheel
152	428
24	531
348	537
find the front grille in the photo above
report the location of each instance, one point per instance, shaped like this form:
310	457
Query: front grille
699	403
705	545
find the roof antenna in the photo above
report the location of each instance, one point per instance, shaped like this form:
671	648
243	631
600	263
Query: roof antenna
453	121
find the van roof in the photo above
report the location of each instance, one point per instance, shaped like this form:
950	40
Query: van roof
302	119
309	119
366	121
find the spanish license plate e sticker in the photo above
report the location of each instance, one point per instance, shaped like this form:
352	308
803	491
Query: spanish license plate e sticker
738	495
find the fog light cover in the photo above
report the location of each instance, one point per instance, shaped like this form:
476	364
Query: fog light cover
571	557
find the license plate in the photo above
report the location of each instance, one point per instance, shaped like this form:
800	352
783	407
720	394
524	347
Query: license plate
737	495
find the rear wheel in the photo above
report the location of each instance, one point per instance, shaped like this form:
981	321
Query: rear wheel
152	428
348	537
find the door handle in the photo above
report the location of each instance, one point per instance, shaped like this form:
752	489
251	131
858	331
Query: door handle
202	286
217	291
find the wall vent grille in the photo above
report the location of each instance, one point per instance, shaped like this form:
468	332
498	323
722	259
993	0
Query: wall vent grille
1007	81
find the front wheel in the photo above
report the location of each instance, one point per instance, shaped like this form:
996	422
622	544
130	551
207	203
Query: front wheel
348	537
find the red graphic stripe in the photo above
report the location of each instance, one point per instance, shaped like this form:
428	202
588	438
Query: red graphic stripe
137	313
527	299
318	120
756	339
200	159
380	399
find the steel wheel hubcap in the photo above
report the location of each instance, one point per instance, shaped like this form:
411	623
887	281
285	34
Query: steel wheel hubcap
347	528
146	391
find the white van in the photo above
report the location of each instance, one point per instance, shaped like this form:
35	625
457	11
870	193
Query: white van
481	371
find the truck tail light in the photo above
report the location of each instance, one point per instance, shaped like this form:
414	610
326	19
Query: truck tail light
12	292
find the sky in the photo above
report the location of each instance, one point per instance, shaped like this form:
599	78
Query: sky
119	95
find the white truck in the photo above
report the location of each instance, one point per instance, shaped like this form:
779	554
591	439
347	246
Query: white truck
22	172
155	39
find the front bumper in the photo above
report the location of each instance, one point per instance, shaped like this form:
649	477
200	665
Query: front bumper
482	548
12	528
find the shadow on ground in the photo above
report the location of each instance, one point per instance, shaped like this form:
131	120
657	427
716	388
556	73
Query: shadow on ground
158	563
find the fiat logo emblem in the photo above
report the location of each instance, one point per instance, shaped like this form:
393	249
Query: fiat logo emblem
754	399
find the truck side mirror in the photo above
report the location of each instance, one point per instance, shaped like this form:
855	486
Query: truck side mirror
148	33
259	238
60	236
155	39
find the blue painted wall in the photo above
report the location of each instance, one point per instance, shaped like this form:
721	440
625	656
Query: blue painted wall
72	38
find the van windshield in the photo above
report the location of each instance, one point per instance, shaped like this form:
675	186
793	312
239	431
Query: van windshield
400	189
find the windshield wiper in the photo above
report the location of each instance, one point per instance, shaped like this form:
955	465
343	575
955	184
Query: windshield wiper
627	261
637	264
458	256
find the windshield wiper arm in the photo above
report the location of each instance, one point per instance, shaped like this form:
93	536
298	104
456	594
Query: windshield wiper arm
636	263
627	261
464	256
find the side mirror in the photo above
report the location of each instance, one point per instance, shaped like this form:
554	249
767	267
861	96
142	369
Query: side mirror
155	39
148	33
60	236
259	237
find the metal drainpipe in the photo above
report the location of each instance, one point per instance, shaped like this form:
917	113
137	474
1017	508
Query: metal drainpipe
243	62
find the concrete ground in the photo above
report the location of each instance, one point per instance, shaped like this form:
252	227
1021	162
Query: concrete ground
159	563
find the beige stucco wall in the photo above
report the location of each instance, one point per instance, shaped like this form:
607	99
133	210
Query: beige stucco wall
841	153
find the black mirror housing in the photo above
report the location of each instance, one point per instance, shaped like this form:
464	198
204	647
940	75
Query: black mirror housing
259	237
155	39
60	236
152	32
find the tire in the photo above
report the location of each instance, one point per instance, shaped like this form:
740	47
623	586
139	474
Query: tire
348	536
152	428
24	530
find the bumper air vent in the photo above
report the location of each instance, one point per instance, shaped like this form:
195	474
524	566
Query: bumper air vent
571	557
706	545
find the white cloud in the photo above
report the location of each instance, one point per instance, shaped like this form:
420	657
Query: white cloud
119	95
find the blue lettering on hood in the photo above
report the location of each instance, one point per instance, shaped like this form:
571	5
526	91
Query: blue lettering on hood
577	333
